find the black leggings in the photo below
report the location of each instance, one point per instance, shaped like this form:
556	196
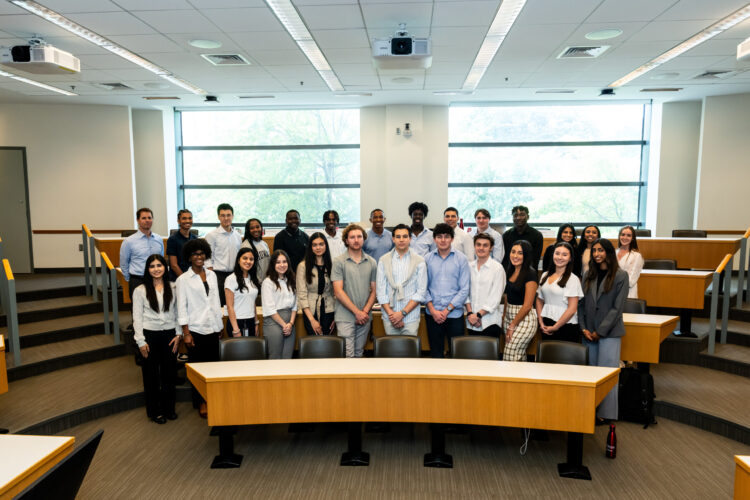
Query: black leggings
569	332
206	348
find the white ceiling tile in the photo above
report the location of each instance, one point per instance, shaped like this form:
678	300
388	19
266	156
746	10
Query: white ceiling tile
112	23
624	64
279	57
371	80
504	66
176	21
238	20
348	56
669	30
9	8
96	75
331	17
226	4
715	47
147	43
183	39
630	10
741	31
447	53
470	37
353	69
555	11
300	85
75	6
701	9
468	13
578	36
264	40
499	81
535	40
109	61
391	15
179	60
299	71
332	39
328	2
640	49
133	74
686	62
24	26
416	31
75	45
132	5
363	2
447	81
449	68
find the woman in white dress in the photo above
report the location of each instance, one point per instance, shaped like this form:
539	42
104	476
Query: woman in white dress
557	298
629	258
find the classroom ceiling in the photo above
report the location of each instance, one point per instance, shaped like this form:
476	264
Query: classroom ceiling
159	30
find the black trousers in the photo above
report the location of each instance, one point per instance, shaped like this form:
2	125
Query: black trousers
325	323
221	277
568	332
247	327
490	331
206	348
133	283
438	333
159	373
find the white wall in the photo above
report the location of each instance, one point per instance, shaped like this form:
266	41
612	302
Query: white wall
80	171
721	197
149	161
678	166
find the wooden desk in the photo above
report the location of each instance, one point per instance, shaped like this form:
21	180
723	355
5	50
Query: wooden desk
690	253
23	459
3	368
534	395
680	289
741	477
644	335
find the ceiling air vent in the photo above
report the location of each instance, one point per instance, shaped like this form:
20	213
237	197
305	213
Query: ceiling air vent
662	89
226	59
715	75
582	52
113	86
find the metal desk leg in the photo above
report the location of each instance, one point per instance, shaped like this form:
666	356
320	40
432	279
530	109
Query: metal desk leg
437	456
574	467
686	323
354	456
227	458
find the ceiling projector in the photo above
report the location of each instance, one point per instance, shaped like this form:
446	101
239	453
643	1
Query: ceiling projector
402	51
39	58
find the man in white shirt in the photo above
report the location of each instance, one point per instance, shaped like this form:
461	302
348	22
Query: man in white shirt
462	242
225	242
401	285
333	236
482	218
483	308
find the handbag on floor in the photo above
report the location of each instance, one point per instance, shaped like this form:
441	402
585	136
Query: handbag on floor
636	397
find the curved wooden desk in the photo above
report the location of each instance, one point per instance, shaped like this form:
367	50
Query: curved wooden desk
23	459
644	334
741	477
527	395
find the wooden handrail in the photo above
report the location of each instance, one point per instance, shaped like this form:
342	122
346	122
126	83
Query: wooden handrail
721	231
77	231
724	263
88	232
8	271
747	233
107	261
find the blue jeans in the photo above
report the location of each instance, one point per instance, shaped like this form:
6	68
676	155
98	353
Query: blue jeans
605	352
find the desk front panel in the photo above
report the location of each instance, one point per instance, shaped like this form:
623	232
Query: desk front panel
680	289
3	368
741	477
644	335
26	458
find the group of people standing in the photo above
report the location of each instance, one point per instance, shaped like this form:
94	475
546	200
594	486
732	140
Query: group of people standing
487	284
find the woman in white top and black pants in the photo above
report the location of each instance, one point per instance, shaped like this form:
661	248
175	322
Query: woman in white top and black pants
198	309
241	289
629	258
557	297
157	336
279	299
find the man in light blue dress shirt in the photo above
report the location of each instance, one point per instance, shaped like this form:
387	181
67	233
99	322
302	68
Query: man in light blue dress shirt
448	286
421	237
379	240
138	247
401	285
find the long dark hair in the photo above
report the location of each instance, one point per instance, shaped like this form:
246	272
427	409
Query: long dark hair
247	235
633	242
289	274
310	257
148	282
610	260
584	245
573	243
252	273
526	266
568	268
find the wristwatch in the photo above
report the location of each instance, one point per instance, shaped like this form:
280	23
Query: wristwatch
479	315
450	308
403	312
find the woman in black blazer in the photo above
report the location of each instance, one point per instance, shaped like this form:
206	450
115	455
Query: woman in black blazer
605	288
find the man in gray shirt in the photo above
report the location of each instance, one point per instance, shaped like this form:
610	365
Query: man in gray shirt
353	275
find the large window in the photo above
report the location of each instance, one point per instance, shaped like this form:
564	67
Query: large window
567	163
266	162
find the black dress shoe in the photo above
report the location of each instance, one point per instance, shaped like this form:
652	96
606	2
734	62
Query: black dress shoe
171	416
159	420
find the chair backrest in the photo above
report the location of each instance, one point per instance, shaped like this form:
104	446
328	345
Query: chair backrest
475	347
665	264
398	346
63	481
192	231
321	346
127	232
243	348
566	353
689	233
635	306
643	233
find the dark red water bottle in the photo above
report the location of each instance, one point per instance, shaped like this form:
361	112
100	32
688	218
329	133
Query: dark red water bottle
461	223
611	442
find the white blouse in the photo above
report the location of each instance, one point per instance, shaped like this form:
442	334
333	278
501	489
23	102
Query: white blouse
244	301
145	318
200	312
273	299
632	263
556	298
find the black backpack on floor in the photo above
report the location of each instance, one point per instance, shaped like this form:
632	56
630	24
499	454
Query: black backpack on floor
636	397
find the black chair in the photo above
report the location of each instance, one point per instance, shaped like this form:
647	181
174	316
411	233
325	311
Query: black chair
475	347
243	348
663	264
635	306
398	346
127	232
566	353
63	481
322	346
689	233
192	231
643	233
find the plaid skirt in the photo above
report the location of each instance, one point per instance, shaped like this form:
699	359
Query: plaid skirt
515	350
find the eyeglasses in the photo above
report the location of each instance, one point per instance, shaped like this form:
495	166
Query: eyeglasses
198	254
